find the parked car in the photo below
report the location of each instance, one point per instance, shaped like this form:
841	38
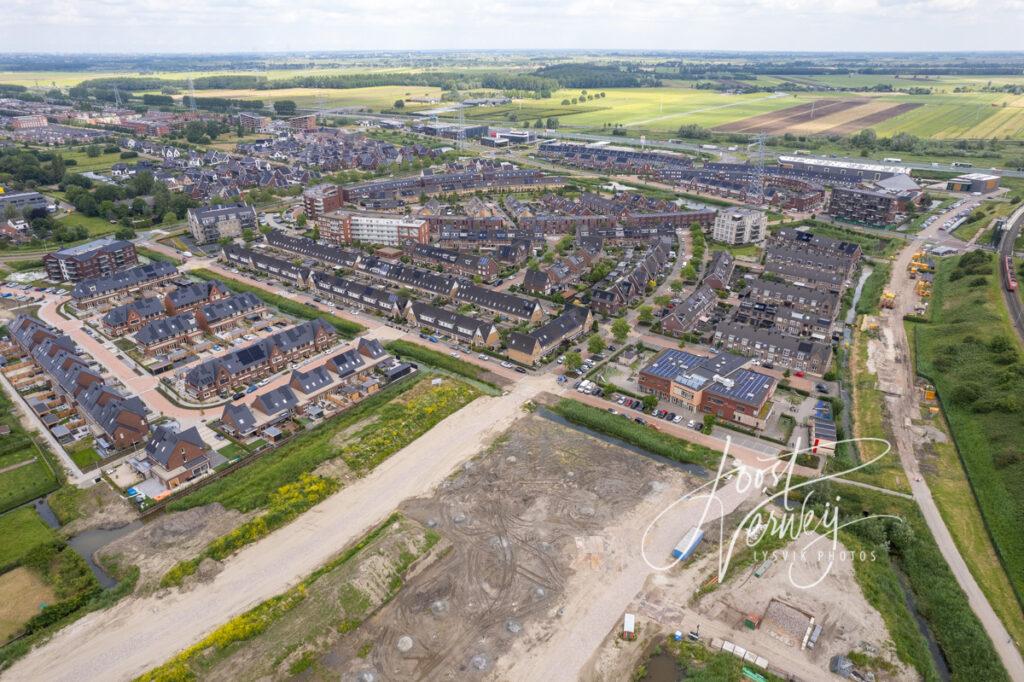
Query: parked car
520	370
676	419
506	364
821	388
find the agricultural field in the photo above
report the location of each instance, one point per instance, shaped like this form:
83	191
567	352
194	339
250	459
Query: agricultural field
377	98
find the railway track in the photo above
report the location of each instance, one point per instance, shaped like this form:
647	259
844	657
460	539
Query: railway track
1013	301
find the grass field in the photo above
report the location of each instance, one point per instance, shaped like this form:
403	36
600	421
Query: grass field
96	225
970	352
20	531
85	163
952	493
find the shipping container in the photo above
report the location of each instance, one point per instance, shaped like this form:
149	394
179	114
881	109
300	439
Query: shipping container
688	544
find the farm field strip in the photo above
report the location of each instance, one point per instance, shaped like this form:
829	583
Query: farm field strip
887	111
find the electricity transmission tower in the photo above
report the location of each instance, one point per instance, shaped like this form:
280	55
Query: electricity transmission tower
191	94
756	192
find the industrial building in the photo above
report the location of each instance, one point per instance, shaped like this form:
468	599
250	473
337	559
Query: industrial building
974	182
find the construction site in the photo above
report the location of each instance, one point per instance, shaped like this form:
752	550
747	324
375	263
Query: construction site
520	523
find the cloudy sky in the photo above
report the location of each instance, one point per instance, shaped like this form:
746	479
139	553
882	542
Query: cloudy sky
297	25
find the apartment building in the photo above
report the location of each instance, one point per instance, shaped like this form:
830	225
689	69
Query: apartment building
345	227
740	226
721	385
213	223
319	200
97	258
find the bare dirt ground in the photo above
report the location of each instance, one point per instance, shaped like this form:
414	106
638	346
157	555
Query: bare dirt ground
540	507
667	604
136	635
160	544
100	508
21	593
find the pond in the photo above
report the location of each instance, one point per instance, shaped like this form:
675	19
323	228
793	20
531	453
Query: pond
87	543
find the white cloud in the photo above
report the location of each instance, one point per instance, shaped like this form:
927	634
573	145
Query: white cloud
269	25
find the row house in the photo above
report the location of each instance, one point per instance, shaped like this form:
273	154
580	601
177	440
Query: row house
92	292
304	246
462	327
514	253
470	265
130	317
829	281
121	419
195	295
781	255
260	359
166	333
628	282
173	456
364	296
284	270
774	348
508	305
527	349
782	319
403	275
813	243
695	309
719	271
563	273
229	312
802	299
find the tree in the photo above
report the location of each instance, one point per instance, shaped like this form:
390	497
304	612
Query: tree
573	361
125	233
552	122
709	423
285	107
663	300
620	330
595	344
399	104
676	285
565	102
650	402
646	314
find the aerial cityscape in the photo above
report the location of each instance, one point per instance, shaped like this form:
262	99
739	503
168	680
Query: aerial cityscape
570	357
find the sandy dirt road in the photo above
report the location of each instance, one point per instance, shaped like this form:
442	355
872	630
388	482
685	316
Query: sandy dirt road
138	634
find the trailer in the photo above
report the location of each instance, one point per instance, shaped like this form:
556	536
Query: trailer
629	626
688	544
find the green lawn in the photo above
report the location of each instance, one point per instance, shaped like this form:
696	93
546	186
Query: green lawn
20	531
84	163
96	225
84	453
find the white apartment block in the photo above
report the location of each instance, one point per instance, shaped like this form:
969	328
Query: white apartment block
740	226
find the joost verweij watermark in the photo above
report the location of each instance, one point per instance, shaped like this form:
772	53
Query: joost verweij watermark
776	515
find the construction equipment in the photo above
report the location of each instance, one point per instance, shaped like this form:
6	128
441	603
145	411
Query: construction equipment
888	299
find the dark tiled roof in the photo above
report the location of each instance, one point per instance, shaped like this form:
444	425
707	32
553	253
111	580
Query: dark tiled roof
125	279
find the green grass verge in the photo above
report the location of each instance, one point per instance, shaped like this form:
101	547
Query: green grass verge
641	436
346	328
156	255
970	353
874	285
412	351
286	503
